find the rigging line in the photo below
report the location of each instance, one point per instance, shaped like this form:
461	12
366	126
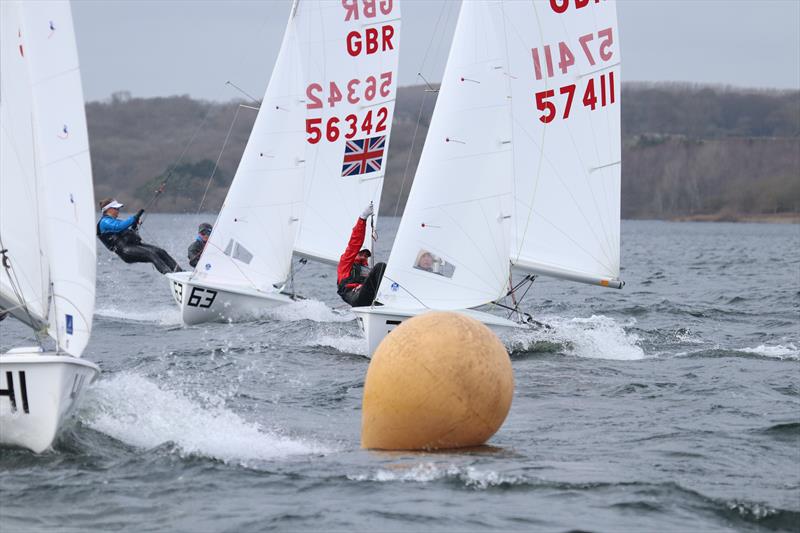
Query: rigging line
430	42
216	163
421	107
532	280
410	154
404	289
172	167
509	88
233	262
52	298
242	91
17	289
39	228
538	174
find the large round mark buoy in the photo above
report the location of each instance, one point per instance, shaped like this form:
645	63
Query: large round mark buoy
439	380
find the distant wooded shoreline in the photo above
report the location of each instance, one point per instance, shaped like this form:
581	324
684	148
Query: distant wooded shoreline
689	152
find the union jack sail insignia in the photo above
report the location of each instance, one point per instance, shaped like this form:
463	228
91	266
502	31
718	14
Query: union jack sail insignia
362	156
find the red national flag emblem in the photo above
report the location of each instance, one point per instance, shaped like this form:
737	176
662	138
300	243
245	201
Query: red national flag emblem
362	156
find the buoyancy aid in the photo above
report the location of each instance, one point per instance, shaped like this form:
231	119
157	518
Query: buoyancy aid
350	273
358	275
112	240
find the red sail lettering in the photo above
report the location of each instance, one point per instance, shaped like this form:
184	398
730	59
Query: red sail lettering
351	9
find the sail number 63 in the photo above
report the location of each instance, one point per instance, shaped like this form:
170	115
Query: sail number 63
200	297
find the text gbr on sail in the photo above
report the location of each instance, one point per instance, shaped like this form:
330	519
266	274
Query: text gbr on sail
369	40
560	6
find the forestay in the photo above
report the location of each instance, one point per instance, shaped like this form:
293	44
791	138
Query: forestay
565	64
46	197
251	244
350	53
452	246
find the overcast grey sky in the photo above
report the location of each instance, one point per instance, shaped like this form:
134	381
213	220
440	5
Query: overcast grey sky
167	47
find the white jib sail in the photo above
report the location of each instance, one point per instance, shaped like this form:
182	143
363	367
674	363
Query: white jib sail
452	246
350	53
565	61
20	232
251	244
55	169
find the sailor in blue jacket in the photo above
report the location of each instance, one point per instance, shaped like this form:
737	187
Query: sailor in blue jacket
121	237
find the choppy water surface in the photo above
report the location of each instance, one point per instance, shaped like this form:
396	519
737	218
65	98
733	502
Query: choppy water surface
669	405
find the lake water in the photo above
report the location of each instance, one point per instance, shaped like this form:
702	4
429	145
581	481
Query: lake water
671	405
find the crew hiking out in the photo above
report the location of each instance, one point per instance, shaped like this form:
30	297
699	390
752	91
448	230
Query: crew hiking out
122	238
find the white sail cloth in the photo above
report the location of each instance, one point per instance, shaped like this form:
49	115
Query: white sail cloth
46	197
350	52
452	246
522	160
251	243
567	170
333	86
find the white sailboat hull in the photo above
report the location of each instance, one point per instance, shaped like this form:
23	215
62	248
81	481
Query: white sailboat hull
378	322
38	393
203	302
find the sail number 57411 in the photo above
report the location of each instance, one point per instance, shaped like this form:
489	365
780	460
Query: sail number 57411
602	93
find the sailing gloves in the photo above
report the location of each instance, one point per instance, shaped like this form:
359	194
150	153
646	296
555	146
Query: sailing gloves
138	217
369	210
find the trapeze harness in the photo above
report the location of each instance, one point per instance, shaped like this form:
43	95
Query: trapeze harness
129	247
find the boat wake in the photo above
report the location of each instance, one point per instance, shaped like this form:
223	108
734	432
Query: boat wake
776	352
164	316
596	337
136	411
313	310
344	344
467	476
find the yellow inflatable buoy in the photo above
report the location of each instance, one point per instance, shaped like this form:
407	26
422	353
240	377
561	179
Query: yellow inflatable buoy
439	380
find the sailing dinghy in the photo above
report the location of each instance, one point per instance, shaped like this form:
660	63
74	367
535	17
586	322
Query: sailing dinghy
314	159
47	233
521	165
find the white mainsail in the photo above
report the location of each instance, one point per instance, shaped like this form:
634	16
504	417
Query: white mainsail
566	157
291	179
46	197
251	244
461	201
522	160
350	52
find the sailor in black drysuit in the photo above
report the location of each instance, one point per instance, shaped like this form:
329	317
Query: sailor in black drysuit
121	237
199	243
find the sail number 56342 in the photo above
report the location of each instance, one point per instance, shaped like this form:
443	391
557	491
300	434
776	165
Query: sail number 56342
601	93
351	126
